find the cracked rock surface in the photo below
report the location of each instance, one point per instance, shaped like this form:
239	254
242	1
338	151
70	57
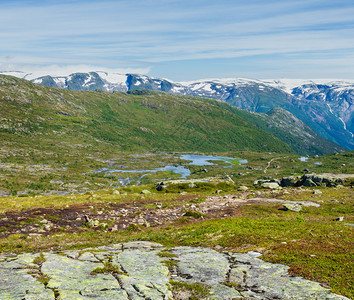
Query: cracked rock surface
143	270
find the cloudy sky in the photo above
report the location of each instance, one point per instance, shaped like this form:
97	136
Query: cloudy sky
179	39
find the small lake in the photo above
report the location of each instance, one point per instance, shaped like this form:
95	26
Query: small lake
204	160
195	159
303	158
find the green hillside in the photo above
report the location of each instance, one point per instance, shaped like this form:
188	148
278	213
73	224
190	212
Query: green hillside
37	117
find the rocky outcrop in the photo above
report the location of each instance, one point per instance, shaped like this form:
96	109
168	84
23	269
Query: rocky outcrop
308	180
145	270
313	180
269	184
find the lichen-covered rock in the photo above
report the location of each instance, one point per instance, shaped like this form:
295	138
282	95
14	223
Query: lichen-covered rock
292	207
146	275
270	185
72	277
243	188
17	283
201	265
136	271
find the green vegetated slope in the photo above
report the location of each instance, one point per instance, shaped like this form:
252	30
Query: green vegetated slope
57	120
293	131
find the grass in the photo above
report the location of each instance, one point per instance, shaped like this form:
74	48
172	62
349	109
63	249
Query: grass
108	268
197	291
313	245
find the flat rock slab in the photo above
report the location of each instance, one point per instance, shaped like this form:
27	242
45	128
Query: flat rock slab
144	270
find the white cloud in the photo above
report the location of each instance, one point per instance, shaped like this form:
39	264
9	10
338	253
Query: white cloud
34	71
141	33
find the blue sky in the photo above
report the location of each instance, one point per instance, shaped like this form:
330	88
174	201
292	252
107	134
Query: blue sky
181	40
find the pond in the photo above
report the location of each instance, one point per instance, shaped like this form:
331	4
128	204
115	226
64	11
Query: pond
204	160
197	160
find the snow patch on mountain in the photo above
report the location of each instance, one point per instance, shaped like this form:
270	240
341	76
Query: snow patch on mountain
288	85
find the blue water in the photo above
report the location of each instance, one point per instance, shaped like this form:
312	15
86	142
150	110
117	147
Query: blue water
303	158
197	160
204	160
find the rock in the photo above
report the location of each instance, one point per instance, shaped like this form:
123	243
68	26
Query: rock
317	192
289	181
203	265
135	270
270	185
227	177
159	187
340	219
243	188
191	185
115	192
267	183
145	192
292	207
218	191
309	183
77	280
4	194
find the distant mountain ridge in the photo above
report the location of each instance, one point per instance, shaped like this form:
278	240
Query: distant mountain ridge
327	106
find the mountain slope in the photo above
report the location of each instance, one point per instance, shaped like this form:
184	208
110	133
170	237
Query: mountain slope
294	132
326	106
34	116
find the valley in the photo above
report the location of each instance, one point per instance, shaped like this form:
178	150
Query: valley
90	179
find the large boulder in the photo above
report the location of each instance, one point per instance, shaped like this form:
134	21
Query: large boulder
289	181
268	183
314	180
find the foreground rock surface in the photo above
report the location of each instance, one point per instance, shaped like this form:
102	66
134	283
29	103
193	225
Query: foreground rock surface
144	270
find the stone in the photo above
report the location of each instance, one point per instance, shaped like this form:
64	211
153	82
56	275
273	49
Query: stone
115	192
317	192
159	187
340	219
203	265
77	279
309	183
145	192
144	274
147	277
289	181
270	185
243	188
292	207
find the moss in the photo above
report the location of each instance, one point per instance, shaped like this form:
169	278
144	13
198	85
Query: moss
166	254
108	268
40	259
170	264
194	214
197	291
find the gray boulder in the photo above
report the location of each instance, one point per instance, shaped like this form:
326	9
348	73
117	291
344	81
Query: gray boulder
292	207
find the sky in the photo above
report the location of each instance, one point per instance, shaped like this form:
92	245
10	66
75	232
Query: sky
180	40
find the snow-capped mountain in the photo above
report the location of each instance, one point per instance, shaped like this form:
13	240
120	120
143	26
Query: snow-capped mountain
325	105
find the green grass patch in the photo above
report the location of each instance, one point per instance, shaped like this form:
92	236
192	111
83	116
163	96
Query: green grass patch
197	291
108	268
